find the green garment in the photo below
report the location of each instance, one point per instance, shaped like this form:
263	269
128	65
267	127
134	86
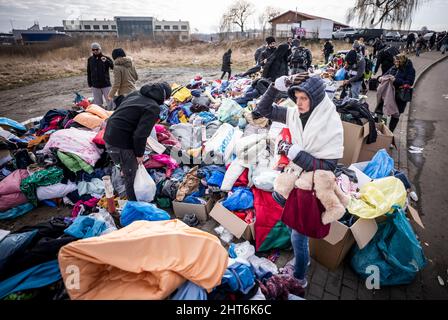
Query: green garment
40	178
73	162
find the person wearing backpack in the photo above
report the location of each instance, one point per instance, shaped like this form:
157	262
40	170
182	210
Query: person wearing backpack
300	59
385	58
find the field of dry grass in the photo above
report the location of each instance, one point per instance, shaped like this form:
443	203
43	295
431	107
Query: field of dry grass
21	66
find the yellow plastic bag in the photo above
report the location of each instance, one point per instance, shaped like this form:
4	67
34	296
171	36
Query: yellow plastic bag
378	197
180	93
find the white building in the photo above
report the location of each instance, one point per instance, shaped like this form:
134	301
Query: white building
94	28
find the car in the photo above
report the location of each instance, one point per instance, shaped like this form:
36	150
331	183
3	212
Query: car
369	35
405	36
428	35
341	33
393	36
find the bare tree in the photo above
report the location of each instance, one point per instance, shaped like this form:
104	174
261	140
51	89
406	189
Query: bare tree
237	13
267	15
377	12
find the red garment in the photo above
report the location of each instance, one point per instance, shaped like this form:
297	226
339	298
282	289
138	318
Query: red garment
243	179
303	213
54	124
99	138
89	204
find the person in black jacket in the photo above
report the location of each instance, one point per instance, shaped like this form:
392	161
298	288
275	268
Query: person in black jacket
277	64
404	74
328	50
385	58
226	64
129	127
261	55
98	66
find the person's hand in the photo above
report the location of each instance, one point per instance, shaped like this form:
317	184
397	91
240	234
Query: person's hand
283	83
283	147
380	79
139	160
265	60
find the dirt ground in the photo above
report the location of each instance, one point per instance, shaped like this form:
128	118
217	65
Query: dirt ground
34	100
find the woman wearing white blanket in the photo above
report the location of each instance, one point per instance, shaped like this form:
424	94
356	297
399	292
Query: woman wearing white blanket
317	140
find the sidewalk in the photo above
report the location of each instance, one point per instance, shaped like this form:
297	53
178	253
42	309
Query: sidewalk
344	284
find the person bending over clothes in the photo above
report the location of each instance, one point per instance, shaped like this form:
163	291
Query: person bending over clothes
129	127
317	140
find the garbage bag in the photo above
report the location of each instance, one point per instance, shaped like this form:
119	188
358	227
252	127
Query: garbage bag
230	112
340	74
134	211
239	277
240	199
395	250
380	166
14	244
378	197
144	187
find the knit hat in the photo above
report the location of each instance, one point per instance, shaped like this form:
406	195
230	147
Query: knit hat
314	88
166	89
95	45
351	56
270	40
118	53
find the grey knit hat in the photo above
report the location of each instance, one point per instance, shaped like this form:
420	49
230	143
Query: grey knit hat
95	45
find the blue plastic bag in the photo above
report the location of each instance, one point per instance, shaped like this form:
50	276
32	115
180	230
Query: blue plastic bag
340	74
380	166
395	250
86	227
16	211
239	277
134	211
240	199
12	123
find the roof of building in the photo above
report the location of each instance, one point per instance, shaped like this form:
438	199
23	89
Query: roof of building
304	15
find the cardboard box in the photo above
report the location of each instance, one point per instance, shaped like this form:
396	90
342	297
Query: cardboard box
239	228
383	141
353	138
200	210
331	251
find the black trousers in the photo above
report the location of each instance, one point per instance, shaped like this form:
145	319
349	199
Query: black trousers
224	73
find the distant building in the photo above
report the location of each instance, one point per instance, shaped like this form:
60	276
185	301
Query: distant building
298	23
35	35
169	29
135	27
91	28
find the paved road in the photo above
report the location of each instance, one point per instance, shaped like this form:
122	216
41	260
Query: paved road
428	128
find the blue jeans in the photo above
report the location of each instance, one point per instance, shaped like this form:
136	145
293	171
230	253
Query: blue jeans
301	254
355	89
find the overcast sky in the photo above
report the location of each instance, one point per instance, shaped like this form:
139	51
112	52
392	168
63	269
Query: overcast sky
203	15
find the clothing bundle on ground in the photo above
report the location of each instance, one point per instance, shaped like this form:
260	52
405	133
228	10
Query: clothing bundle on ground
210	144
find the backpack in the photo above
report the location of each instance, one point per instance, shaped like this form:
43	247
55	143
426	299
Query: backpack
300	57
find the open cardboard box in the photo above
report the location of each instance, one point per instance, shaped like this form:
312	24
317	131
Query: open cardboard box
200	210
331	251
239	228
383	141
353	139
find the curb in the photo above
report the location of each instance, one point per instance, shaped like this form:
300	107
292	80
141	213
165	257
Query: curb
403	145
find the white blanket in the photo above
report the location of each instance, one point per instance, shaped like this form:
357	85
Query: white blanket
323	136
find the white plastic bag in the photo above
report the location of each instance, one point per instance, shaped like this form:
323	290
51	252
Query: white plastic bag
144	186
